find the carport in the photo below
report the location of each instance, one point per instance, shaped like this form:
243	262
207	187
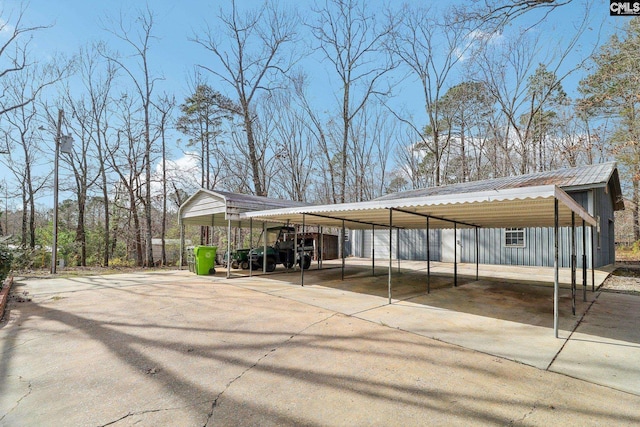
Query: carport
224	209
538	206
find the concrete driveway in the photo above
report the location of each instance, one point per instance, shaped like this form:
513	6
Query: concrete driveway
177	349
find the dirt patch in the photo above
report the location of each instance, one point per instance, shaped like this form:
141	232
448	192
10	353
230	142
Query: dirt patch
83	271
624	279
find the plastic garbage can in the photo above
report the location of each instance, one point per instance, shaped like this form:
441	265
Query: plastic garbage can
205	259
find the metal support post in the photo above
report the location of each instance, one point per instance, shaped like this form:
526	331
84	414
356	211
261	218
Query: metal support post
428	260
320	246
455	254
373	250
181	244
593	260
584	262
264	247
229	249
398	247
573	263
295	246
555	268
342	238
477	255
390	251
302	256
250	246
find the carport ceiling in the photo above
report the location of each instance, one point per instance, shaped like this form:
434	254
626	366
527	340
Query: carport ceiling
514	207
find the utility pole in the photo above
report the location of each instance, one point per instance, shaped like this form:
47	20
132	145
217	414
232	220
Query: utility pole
54	245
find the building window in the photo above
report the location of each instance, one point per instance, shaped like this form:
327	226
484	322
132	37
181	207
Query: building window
514	237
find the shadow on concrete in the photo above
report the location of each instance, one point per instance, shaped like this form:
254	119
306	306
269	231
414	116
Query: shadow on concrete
522	303
245	351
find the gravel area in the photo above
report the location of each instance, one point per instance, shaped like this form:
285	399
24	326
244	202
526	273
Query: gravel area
624	279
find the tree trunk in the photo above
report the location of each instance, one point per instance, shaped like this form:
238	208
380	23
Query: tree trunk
255	164
81	238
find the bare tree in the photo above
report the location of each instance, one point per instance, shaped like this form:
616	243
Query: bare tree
466	111
294	154
78	161
251	48
139	40
22	148
165	106
97	79
22	139
14	57
527	91
319	134
353	40
126	157
495	14
431	48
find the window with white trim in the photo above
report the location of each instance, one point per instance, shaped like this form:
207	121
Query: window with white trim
514	237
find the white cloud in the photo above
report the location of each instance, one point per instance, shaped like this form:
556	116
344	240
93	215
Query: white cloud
493	38
183	172
5	28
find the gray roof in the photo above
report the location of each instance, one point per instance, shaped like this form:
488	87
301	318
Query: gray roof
249	201
216	207
579	178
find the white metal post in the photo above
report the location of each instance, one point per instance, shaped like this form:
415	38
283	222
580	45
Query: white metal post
584	261
264	242
302	255
181	245
390	251
229	249
428	260
321	250
455	254
573	263
373	249
250	246
555	267
398	247
342	249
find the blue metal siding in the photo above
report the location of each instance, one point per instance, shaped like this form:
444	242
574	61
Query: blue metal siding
413	244
537	251
605	252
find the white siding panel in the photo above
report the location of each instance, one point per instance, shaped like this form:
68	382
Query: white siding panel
204	204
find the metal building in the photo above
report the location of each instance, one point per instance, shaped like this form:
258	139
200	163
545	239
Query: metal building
595	187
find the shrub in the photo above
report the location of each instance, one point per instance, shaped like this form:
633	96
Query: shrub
6	258
121	262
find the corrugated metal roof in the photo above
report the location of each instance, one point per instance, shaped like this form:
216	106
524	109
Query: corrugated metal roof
246	201
216	208
510	207
519	201
590	176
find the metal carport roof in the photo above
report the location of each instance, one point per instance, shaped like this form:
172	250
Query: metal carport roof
216	208
513	207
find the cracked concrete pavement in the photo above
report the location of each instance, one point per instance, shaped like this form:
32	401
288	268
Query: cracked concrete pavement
177	349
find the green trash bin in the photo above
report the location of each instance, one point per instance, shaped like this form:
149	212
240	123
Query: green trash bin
205	259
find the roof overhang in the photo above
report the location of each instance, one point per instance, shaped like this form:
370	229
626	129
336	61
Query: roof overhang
216	208
514	207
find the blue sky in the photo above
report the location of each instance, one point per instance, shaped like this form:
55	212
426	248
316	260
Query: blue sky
78	22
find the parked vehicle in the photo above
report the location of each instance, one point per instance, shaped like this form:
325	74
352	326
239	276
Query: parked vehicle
281	249
239	259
